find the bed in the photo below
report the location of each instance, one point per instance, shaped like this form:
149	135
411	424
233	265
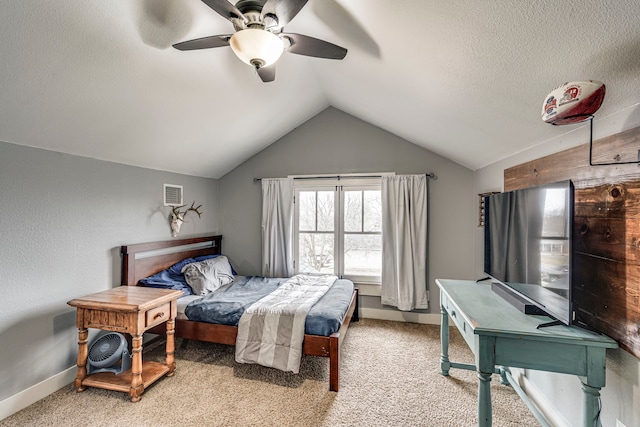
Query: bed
139	261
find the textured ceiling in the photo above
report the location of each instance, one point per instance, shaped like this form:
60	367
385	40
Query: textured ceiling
464	79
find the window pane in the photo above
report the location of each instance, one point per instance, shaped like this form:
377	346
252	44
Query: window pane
372	211
325	211
307	203
351	227
353	210
555	203
363	255
316	253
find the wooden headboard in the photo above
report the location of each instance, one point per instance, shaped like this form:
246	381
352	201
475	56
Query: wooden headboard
136	268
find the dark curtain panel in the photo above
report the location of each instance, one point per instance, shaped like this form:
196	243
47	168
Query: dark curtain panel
516	233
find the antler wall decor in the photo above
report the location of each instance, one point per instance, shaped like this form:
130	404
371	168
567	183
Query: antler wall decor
176	218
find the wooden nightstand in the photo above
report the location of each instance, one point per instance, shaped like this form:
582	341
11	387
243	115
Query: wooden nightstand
131	310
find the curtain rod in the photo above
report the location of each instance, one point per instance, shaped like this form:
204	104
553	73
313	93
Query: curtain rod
430	175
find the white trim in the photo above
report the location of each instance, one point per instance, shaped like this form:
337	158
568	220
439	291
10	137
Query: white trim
369	289
21	400
400	316
538	398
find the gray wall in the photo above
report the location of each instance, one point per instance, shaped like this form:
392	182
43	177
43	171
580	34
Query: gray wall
334	142
562	393
62	220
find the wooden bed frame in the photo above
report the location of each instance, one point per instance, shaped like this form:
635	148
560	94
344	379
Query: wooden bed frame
136	268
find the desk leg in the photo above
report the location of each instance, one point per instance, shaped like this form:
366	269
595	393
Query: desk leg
485	366
484	399
445	364
591	405
83	354
170	360
137	387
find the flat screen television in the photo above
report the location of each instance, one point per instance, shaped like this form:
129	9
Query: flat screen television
527	248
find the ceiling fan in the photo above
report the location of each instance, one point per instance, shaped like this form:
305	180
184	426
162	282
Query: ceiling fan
259	40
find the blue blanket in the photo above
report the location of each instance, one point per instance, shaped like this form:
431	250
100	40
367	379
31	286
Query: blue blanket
226	305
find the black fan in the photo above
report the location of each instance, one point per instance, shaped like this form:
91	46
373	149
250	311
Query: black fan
109	353
259	40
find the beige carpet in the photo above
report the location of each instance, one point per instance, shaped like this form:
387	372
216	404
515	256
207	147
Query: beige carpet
390	376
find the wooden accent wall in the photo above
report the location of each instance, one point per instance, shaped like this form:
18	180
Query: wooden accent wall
606	232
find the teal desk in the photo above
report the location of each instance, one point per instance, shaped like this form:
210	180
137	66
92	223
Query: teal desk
500	337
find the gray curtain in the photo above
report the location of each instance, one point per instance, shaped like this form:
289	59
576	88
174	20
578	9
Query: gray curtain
404	242
518	221
277	227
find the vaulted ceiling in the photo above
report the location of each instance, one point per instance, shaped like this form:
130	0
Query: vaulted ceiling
464	79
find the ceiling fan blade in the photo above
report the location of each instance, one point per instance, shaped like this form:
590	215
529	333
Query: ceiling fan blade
285	10
309	46
225	9
351	31
267	74
204	43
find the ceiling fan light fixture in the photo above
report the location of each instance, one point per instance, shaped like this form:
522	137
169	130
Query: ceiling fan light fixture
258	48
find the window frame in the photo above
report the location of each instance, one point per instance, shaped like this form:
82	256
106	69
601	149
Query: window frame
338	186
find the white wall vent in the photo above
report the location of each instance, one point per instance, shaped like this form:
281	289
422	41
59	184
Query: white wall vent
172	195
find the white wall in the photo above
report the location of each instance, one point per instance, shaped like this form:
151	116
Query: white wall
334	142
621	395
62	221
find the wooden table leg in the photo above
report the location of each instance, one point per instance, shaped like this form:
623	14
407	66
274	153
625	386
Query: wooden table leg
484	399
137	387
503	370
591	405
170	347
485	366
445	364
83	354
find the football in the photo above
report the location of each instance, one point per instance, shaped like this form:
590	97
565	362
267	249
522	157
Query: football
573	102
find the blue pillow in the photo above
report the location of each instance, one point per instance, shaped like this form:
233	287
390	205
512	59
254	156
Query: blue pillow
171	278
176	269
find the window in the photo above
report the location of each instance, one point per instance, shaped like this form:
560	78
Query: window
554	245
338	228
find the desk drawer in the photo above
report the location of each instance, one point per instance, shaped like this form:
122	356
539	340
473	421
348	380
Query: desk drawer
454	314
157	315
458	320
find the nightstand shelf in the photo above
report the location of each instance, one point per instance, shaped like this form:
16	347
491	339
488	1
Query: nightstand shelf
151	372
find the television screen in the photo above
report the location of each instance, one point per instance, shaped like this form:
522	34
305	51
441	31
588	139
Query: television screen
528	245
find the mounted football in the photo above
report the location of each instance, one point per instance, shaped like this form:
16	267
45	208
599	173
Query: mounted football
573	102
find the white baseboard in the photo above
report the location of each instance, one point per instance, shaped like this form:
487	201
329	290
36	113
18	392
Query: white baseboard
400	316
539	399
21	400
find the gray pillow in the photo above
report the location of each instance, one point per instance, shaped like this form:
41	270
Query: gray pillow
208	275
